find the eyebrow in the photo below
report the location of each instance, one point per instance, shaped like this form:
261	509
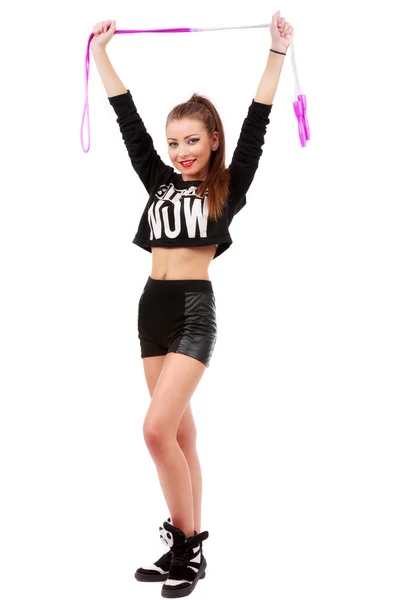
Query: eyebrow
185	137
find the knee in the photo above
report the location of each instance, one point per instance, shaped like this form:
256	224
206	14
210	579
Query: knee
156	435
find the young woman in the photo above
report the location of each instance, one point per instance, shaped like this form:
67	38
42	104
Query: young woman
185	225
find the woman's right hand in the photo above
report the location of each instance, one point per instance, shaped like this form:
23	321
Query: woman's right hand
103	32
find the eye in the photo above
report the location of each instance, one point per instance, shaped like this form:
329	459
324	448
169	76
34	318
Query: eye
191	140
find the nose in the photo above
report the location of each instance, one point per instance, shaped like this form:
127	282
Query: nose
184	155
181	156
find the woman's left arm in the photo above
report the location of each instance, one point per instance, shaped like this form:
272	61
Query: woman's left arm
280	29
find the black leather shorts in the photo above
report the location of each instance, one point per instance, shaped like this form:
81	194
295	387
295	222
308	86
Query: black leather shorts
177	316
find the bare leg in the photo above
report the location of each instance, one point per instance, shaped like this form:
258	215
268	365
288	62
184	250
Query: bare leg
186	437
174	475
179	378
193	462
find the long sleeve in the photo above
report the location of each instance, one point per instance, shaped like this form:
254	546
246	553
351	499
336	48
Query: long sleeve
248	152
139	144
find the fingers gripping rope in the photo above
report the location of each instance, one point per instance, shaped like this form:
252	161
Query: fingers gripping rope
299	106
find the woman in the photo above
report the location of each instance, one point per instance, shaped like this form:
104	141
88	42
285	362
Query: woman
184	225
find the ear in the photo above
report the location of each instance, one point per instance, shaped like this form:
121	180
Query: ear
215	141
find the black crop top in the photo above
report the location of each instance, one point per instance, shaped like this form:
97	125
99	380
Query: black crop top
174	215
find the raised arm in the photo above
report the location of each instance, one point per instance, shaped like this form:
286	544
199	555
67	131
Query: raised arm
269	81
248	151
249	147
280	31
110	79
139	144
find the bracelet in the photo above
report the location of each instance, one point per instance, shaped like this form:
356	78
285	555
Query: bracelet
284	53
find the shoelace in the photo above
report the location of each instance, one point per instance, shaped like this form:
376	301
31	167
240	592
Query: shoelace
180	553
180	559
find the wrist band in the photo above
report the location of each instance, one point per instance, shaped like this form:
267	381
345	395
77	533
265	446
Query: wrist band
299	105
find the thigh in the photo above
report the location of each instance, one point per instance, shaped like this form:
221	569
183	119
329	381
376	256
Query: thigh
152	369
186	434
176	384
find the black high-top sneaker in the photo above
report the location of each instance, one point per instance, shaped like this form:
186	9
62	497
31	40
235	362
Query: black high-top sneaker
157	571
188	564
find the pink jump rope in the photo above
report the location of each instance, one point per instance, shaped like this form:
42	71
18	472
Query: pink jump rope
299	106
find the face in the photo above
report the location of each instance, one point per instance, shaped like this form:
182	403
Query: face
188	139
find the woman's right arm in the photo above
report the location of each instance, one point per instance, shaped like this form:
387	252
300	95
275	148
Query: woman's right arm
103	32
111	81
139	143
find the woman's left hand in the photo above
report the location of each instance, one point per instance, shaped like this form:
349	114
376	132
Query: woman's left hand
280	29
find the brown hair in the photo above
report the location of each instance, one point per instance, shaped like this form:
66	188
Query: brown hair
218	177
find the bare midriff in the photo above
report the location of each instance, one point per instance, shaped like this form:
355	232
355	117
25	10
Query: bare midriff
182	263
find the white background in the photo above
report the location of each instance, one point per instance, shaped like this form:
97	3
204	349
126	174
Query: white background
297	416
